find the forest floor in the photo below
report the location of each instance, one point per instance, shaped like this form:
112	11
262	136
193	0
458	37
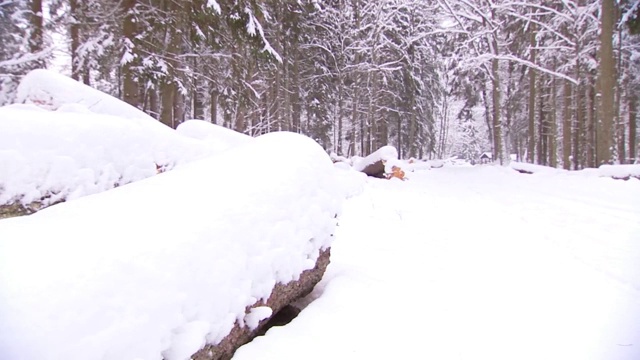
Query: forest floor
476	263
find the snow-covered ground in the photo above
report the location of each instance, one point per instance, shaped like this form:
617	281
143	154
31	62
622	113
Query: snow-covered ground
476	263
458	262
157	268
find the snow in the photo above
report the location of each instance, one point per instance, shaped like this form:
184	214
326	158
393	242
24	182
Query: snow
460	262
218	137
65	154
388	154
613	171
65	140
476	262
257	314
50	90
158	267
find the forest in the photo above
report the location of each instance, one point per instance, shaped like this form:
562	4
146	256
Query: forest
547	82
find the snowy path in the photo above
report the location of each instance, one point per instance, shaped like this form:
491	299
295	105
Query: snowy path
476	263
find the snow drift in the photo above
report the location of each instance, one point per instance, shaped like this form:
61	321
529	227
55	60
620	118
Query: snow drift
163	266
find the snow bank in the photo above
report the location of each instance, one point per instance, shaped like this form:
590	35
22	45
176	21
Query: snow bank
620	171
49	156
219	138
612	171
50	90
157	268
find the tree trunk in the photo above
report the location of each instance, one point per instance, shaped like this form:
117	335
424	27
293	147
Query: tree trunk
129	82
497	128
178	108
553	126
167	91
607	83
590	134
74	33
532	97
566	126
633	123
214	107
578	128
620	125
154	107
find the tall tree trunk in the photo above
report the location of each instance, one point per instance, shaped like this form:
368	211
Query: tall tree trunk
497	128
36	37
214	107
178	108
129	82
620	125
154	107
168	92
553	126
590	134
542	127
607	83
633	123
578	128
566	125
487	116
532	97
74	33
339	115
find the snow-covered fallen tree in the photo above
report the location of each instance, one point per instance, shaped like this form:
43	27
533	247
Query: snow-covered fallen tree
621	172
64	140
378	163
50	90
52	156
161	267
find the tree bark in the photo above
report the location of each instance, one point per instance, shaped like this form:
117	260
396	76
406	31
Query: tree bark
74	33
37	26
129	29
553	126
566	126
633	123
607	83
497	128
532	97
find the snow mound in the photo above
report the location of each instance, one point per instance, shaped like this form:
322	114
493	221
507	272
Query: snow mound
612	171
49	156
620	171
50	90
218	137
157	268
388	154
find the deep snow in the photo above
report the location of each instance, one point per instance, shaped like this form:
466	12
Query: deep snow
157	268
476	263
458	262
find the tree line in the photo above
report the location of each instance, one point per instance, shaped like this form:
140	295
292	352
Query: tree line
553	82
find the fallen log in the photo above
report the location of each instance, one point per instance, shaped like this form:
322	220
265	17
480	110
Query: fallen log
281	296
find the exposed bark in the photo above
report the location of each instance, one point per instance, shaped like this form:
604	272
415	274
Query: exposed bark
532	97
497	128
36	21
607	83
633	123
214	107
553	126
281	296
130	90
590	134
74	33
